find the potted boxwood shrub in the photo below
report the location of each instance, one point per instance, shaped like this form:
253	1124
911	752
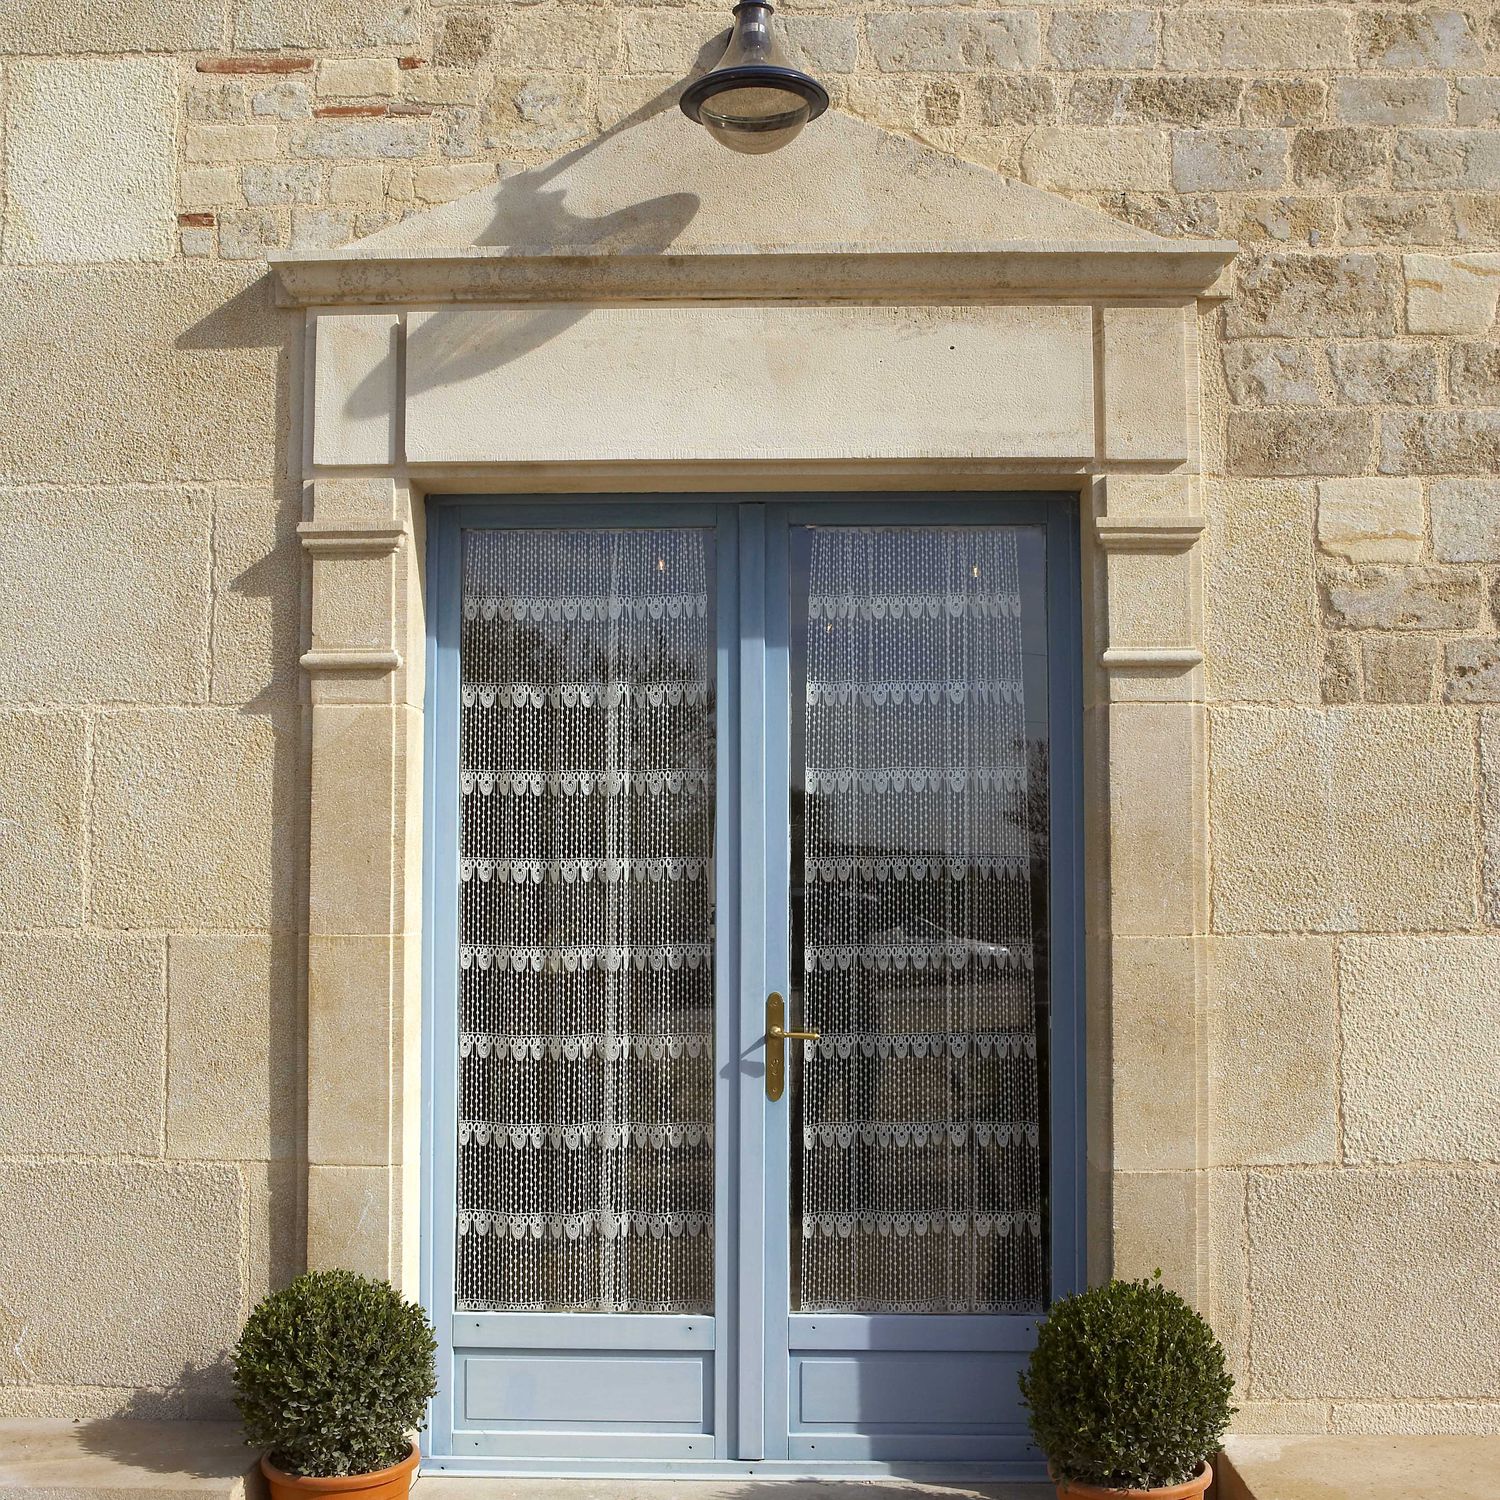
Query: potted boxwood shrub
1128	1394
332	1376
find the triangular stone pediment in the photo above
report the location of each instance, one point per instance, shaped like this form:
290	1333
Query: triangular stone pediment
654	200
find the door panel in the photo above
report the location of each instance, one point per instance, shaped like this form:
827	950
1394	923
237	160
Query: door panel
672	748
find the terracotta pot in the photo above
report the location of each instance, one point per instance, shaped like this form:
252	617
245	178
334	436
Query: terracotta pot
1191	1490
384	1484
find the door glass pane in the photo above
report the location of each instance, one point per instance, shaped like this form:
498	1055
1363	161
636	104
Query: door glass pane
919	833
585	1131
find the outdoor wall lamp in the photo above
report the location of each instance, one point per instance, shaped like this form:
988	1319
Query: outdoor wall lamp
753	100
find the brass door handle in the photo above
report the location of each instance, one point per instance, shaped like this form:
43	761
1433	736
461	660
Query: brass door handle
777	1036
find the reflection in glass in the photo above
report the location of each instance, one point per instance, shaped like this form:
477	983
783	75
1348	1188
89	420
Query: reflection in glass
919	856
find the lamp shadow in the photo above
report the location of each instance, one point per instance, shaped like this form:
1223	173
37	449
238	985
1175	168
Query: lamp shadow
530	213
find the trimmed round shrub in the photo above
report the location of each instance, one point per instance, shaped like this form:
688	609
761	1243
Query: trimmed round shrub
1127	1387
333	1373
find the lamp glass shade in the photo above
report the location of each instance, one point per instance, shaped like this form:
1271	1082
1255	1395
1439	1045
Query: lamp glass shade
754	100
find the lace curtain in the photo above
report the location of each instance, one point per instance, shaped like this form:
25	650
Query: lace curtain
585	1133
920	1170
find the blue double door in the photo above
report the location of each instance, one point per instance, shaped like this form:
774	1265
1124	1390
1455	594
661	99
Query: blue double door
753	1100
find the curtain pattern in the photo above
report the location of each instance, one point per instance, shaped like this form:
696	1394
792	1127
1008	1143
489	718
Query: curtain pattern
920	1165
585	1132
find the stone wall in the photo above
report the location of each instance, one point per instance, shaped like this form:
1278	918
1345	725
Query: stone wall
153	814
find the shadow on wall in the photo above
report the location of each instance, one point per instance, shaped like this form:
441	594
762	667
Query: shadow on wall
131	1437
529	213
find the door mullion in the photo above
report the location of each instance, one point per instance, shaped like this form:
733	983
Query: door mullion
749	1073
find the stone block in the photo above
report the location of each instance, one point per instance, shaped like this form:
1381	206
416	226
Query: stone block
1446	159
1102	39
290	99
89	155
1154	100
1290	443
1016	100
1261	373
1314	296
257	583
387	138
1259	591
354	1115
214	101
69	1000
1377	373
1272	1050
192	810
953	42
1291	39
221	143
115	604
822	44
1474	374
1398	219
1156	1228
1466	520
149	1254
1153	990
1339	676
1239	161
1402	1419
463	39
276	1231
1476	101
442	184
42	818
1125	157
1285	102
350	1218
1145	384
1419	1016
1418	41
1404	598
316	228
232	1064
208	187
1451	294
1156	793
1398	668
586	37
42	27
1279	219
961	382
249	233
1391	101
1338	159
1374	1284
204	351
1313	825
360	764
361	182
274	24
1371	520
1440	442
294	182
355	388
1473	671
359	78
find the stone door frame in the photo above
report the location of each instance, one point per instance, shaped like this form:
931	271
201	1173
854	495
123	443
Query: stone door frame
375	447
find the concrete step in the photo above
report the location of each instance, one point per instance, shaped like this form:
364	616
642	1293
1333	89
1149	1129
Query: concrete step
1403	1467
124	1460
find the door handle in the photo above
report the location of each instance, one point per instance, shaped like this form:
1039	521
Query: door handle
777	1036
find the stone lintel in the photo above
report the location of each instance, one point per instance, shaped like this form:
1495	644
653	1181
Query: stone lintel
1080	271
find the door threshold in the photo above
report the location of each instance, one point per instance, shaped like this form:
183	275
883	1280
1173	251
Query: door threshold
457	1479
